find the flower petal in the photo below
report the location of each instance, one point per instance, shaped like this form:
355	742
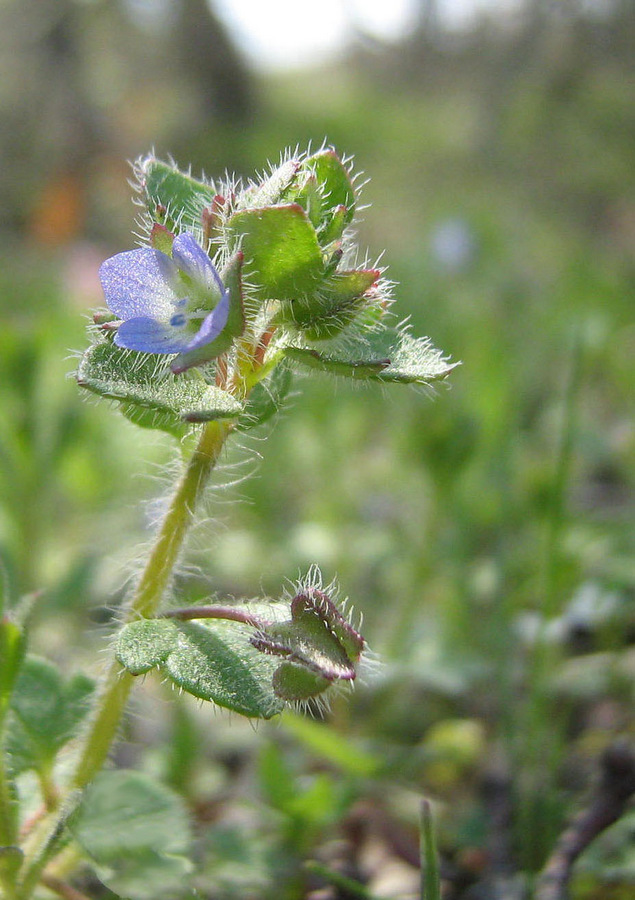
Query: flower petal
149	336
212	324
140	283
195	262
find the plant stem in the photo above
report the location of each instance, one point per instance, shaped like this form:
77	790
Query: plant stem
150	589
7	807
8	825
430	877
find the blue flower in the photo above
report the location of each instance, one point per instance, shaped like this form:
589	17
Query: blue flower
168	305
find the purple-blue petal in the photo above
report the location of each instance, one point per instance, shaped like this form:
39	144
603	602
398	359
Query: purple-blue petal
212	324
149	336
194	261
140	283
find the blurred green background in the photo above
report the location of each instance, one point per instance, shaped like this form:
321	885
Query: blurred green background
487	535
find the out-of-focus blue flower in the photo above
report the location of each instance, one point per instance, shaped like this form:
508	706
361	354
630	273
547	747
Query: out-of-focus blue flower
168	305
453	244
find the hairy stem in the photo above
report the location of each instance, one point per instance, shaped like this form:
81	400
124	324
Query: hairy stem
115	689
150	589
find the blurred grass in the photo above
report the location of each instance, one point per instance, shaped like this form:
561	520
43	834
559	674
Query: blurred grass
456	525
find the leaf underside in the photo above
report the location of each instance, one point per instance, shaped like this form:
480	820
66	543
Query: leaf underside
214	662
149	394
388	356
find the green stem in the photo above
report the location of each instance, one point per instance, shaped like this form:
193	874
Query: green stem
542	741
7	807
8	828
152	585
148	595
430	876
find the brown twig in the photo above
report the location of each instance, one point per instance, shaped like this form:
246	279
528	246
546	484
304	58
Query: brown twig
609	800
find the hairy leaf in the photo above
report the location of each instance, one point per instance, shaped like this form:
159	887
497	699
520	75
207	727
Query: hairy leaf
214	661
282	255
266	397
388	355
153	400
336	190
337	303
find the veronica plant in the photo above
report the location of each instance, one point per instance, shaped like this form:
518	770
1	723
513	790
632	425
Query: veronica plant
236	286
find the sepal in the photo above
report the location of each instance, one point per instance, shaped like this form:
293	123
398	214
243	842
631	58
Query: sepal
173	198
318	645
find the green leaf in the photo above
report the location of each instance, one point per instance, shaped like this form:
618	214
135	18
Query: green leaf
267	397
46	713
150	398
334	307
282	255
137	834
234	327
310	199
388	355
214	662
173	198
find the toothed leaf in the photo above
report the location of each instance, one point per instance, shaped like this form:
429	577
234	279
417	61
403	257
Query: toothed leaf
174	198
388	355
165	401
214	662
318	646
281	250
310	199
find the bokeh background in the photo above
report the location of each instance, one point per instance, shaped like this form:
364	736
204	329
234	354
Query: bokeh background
487	534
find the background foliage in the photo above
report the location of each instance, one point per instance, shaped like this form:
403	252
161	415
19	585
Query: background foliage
466	529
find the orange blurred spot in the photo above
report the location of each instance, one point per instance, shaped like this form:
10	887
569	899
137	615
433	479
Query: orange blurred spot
59	212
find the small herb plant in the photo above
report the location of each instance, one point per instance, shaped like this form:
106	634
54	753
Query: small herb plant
235	288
